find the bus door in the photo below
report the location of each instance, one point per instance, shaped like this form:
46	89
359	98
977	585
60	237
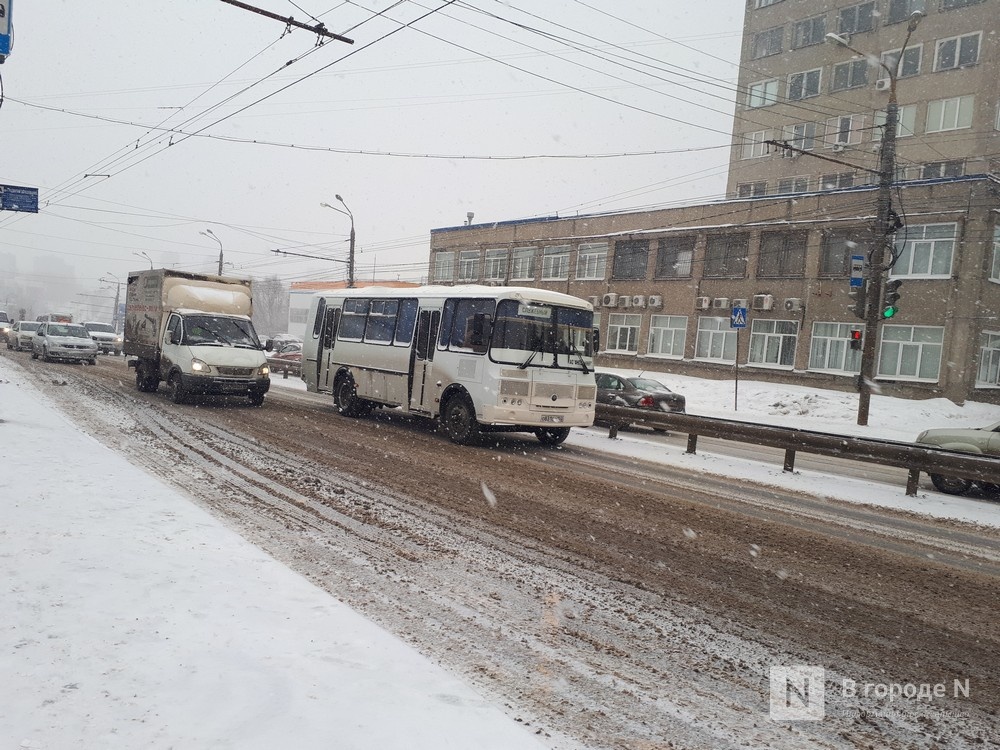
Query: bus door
422	390
324	356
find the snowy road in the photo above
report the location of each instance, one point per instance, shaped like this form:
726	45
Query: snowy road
616	603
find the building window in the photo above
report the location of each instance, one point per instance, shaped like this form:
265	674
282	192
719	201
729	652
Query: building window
950	114
726	256
995	266
673	258
767	43
856	19
849	75
623	333
591	260
799	184
935	169
805	84
909	65
911	352
844	130
836	181
631	259
801	135
782	254
906	122
901	10
957	52
751	189
522	264
838	247
830	348
762	93
988	375
667	335
468	265
925	251
555	263
444	266
952	4
716	340
808	32
496	265
772	342
754	145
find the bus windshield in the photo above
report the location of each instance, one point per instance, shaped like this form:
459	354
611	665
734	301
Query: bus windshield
529	334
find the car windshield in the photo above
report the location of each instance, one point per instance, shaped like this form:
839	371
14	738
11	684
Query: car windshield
99	327
74	331
540	335
219	331
29	326
645	384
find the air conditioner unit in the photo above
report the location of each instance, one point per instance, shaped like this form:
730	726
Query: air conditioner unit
763	302
720	303
740	303
793	303
624	300
595	301
656	301
609	300
638	300
883	84
838	147
702	303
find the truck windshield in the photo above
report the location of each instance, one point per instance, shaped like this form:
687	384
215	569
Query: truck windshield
208	330
530	334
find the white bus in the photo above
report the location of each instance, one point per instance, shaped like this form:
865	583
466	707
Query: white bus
476	358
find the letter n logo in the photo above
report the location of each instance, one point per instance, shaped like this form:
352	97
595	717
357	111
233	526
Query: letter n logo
798	693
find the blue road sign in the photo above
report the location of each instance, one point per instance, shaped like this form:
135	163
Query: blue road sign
15	198
738	318
6	31
857	270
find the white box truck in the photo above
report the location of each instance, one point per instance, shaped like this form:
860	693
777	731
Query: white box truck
193	332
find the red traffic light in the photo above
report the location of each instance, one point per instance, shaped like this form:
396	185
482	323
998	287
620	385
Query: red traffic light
855	338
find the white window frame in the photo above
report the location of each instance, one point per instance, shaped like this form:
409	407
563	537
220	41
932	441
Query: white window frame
716	340
555	263
995	265
796	184
856	7
468	265
522	263
667	336
762	93
772	347
988	372
768	36
906	122
802	135
444	266
857	75
830	348
808	32
958	41
914	245
954	113
754	146
592	261
765	3
805	93
839	135
751	189
899	341
495	266
623	333
888	60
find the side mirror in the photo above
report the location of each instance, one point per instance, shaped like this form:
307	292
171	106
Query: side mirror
269	345
482	325
175	337
597	340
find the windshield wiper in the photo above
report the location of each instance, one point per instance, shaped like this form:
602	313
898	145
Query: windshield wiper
538	348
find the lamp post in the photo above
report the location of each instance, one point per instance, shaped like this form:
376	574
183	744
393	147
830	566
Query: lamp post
883	228
350	252
118	294
142	254
210	233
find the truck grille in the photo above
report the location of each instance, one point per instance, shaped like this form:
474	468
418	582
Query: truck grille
236	372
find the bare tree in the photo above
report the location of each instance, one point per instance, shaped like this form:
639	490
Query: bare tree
270	306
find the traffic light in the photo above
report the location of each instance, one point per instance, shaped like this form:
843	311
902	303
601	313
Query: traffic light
890	302
856	338
858	300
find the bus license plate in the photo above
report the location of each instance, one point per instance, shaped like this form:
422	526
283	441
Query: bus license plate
552	418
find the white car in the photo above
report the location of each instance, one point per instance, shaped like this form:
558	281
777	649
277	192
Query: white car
69	341
22	333
108	340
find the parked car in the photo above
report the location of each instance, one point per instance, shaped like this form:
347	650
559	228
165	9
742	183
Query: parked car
5	325
286	357
982	440
639	393
68	341
22	333
109	341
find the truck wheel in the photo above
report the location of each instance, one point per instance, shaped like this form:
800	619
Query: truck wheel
345	397
177	393
950	485
551	435
459	420
34	354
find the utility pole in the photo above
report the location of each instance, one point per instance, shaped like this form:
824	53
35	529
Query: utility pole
115	320
350	252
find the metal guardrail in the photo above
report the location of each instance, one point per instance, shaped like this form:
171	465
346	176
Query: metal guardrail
914	458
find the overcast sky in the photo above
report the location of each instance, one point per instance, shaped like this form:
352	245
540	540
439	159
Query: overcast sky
504	109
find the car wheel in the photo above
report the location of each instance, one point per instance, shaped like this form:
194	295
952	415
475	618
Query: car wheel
34	354
951	485
45	356
551	435
177	393
459	420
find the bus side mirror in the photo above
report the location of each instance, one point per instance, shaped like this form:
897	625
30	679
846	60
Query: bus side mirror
597	340
482	325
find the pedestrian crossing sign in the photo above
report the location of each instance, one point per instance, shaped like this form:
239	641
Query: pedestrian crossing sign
738	318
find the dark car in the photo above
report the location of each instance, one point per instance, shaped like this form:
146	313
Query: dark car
639	393
286	357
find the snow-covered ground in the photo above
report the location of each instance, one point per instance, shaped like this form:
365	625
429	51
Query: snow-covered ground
133	619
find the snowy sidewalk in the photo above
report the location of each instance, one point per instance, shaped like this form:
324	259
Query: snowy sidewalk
133	619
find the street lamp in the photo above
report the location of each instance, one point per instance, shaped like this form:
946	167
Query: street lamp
118	294
142	254
883	227
210	233
350	252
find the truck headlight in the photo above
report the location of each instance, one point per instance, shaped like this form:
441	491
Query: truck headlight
198	365
265	371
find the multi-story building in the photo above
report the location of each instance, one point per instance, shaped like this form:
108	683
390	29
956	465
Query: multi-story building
664	282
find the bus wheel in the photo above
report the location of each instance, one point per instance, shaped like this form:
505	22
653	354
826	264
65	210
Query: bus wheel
551	435
345	397
459	420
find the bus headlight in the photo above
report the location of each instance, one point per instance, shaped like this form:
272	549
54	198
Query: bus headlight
199	366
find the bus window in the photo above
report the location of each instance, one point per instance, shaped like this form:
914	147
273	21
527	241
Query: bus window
381	323
459	324
405	321
352	320
318	323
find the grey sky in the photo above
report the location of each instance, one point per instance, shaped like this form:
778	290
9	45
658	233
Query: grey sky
462	84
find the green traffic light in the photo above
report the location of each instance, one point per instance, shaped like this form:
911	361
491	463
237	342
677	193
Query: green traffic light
889	312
